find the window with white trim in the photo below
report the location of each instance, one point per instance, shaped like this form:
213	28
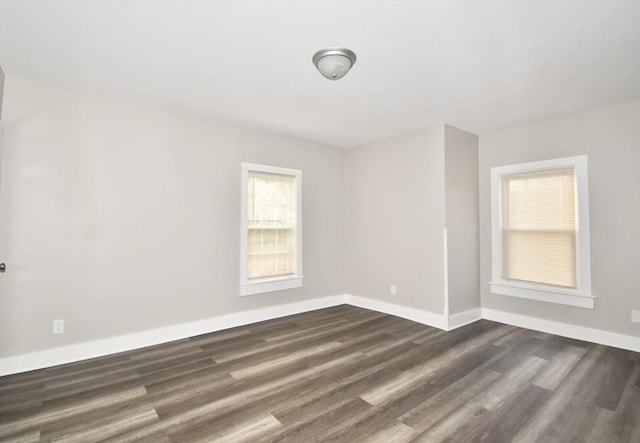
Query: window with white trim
271	229
540	231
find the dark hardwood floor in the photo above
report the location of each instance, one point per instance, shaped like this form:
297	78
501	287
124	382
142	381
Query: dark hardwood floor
342	374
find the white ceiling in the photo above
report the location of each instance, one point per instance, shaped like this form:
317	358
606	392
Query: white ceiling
480	66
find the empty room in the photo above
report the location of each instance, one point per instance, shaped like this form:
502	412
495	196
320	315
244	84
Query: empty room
319	221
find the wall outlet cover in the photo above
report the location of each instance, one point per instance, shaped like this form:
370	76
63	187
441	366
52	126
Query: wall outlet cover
58	326
635	316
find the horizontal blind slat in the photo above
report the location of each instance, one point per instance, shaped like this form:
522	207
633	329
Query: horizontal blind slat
539	227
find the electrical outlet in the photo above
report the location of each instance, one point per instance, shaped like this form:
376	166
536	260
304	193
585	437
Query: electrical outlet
393	290
58	326
635	316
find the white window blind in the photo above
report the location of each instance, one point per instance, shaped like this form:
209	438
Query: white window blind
271	219
539	227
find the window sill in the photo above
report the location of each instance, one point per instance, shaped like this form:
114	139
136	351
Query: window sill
270	285
543	293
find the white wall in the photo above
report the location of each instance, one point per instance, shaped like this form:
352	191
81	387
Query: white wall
461	218
611	139
120	217
395	219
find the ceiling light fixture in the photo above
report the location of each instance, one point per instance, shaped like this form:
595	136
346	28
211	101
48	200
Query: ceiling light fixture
334	63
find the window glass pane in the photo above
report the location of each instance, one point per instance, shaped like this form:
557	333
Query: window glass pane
271	223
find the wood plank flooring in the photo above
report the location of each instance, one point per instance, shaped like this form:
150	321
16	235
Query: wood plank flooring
342	374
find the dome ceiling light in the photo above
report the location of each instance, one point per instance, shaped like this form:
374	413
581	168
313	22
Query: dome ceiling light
334	63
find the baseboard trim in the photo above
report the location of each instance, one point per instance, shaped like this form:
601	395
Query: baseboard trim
464	318
417	315
628	342
67	354
98	348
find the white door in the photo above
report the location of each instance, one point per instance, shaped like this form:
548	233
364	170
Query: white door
3	230
5	314
8	281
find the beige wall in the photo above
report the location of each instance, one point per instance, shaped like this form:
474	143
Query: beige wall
395	219
611	139
461	218
120	217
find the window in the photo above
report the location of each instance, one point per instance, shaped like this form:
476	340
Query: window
540	231
271	234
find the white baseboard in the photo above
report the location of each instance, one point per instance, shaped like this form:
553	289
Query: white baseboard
98	348
417	315
629	342
464	318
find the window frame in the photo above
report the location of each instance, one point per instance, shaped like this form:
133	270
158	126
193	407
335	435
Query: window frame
581	296
277	283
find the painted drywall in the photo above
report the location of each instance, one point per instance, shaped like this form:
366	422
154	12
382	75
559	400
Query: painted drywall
1	90
461	219
611	139
121	217
394	217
